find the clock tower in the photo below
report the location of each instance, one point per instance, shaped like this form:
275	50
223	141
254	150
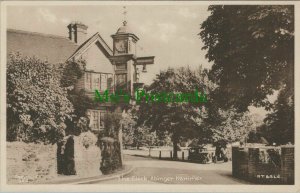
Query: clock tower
125	60
124	41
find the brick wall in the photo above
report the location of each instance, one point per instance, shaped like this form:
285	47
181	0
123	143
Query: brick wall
239	162
30	163
253	155
287	165
254	164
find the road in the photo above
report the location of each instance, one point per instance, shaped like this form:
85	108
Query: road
149	171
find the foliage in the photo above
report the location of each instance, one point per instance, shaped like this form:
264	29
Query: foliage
112	123
128	125
177	119
137	136
81	103
252	50
111	156
279	124
71	72
234	127
110	143
37	106
88	139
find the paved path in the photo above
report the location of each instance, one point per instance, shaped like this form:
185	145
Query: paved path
148	170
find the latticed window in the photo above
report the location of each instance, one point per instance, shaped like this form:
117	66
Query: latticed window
102	117
99	81
96	81
103	81
88	81
110	83
96	119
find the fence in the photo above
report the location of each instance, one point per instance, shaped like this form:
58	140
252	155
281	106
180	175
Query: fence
183	155
264	165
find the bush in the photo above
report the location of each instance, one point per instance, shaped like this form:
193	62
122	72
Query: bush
111	155
37	106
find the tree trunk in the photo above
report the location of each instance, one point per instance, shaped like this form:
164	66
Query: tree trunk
121	143
175	149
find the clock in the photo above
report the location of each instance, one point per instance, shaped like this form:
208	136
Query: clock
121	46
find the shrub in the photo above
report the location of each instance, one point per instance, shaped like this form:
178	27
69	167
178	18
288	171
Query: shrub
37	106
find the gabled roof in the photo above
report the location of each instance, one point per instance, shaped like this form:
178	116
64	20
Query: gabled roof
98	40
54	49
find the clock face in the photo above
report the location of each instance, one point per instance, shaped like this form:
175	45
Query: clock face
121	46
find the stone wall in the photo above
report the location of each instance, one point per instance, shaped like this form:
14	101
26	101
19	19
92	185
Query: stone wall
264	165
87	155
79	155
37	163
30	163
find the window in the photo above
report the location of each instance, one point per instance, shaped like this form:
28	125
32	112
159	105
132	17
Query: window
102	117
121	82
88	81
96	81
110	83
99	81
96	119
103	81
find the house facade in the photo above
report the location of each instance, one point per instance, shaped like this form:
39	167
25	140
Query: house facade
113	68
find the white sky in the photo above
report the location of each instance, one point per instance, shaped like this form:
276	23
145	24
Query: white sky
167	32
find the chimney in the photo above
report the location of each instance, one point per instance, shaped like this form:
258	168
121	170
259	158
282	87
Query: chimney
77	32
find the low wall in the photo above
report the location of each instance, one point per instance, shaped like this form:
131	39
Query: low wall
264	165
30	163
87	158
37	163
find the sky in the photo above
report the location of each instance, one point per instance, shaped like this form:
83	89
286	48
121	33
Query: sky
170	33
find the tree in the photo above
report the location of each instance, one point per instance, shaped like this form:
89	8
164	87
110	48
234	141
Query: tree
112	122
110	142
37	106
252	50
137	136
234	127
128	124
279	124
178	118
71	73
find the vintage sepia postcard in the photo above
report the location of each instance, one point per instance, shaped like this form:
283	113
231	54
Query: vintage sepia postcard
150	96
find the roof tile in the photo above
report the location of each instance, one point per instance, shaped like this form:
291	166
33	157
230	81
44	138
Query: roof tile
54	49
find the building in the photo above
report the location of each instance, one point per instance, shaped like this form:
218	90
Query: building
106	68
